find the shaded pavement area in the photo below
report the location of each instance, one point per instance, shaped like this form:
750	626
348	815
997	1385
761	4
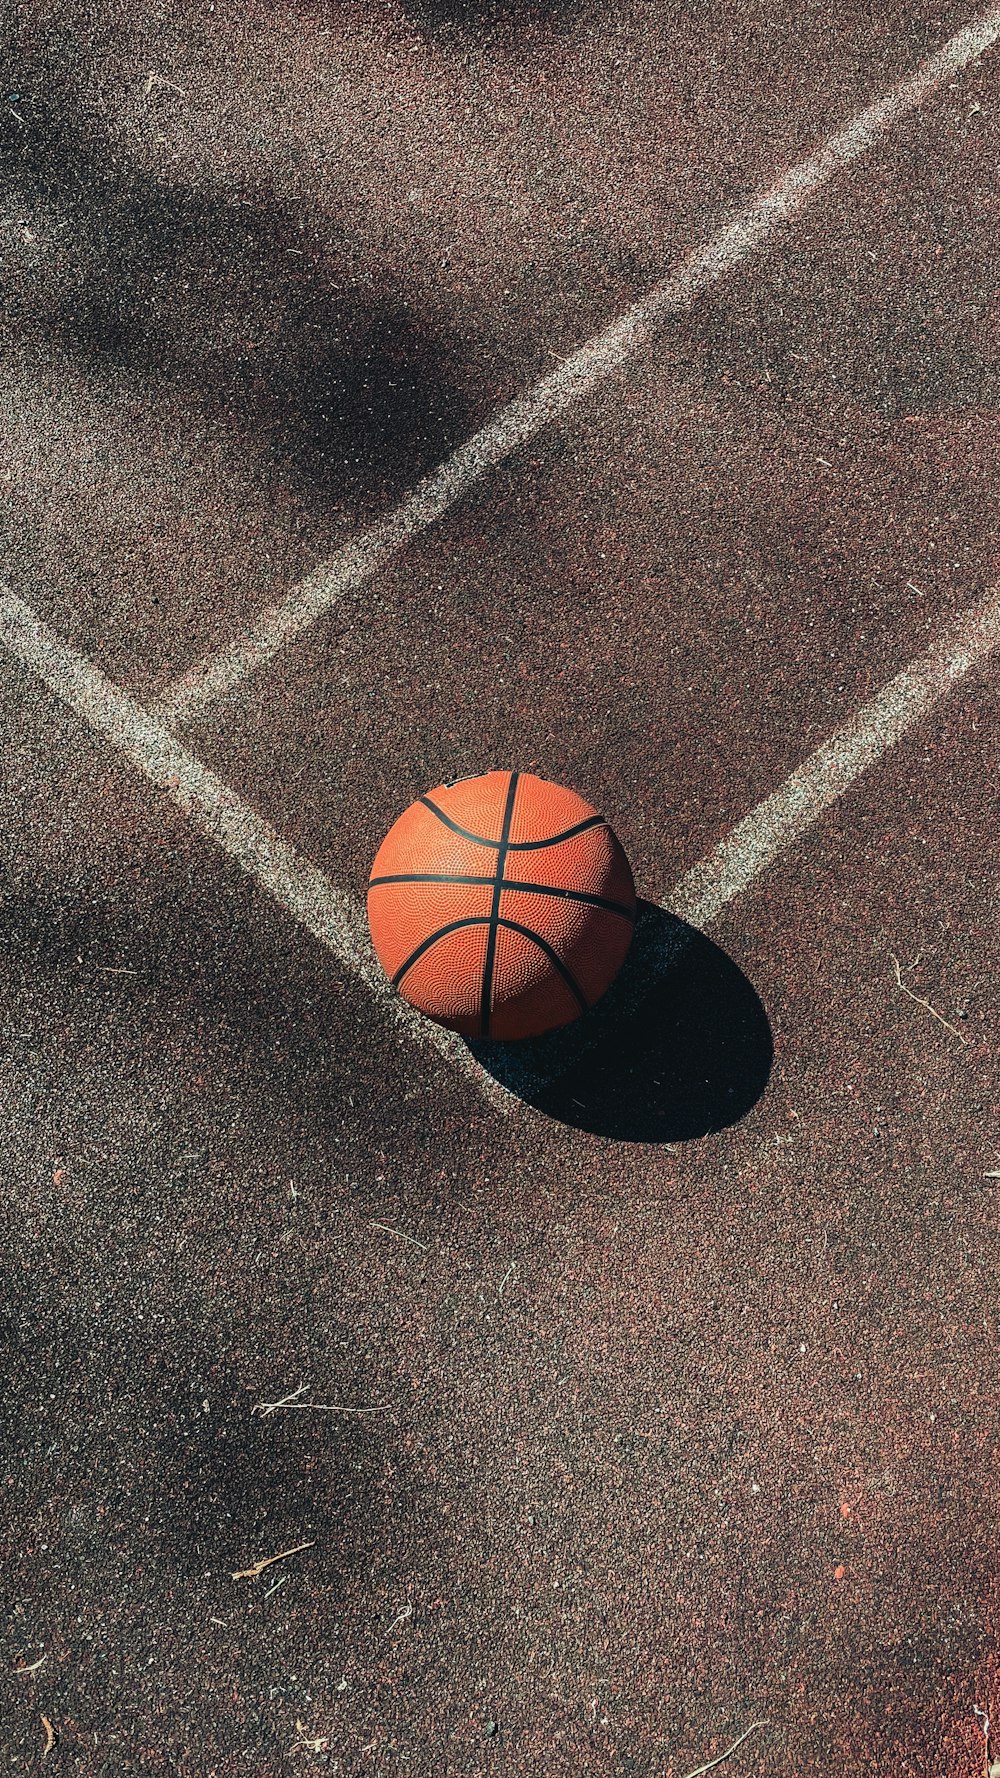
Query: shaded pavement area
664	1402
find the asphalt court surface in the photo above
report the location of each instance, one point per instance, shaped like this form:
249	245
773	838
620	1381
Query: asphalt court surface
164	278
675	1435
619	594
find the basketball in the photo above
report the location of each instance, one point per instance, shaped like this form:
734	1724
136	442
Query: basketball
501	906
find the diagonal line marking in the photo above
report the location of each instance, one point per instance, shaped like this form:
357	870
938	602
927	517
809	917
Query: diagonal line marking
337	920
782	818
333	917
584	370
859	743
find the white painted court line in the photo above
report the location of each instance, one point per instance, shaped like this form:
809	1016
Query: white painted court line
337	920
858	744
334	918
586	368
789	812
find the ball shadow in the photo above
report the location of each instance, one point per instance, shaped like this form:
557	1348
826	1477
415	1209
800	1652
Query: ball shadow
678	1047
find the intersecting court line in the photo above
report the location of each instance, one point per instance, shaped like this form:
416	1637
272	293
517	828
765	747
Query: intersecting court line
333	917
337	919
585	369
785	816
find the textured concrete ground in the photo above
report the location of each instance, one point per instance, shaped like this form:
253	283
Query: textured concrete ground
679	1406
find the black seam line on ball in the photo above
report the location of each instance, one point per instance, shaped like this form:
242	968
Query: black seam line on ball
553	957
486	998
595	901
479	839
568	833
512	926
425	945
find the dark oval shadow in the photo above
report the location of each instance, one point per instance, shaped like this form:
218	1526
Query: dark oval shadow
679	1046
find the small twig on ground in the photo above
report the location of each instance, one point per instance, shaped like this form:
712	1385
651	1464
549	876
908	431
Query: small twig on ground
984	1723
400	1235
277	1584
155	81
400	1618
257	1568
271	1407
263	1408
25	1672
509	1273
717	1761
991	1175
307	1743
925	1003
50	1736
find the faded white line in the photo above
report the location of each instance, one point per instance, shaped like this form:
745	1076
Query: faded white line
781	819
279	624
775	824
337	919
332	917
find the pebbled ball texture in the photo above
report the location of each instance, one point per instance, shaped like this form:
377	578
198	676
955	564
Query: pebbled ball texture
501	906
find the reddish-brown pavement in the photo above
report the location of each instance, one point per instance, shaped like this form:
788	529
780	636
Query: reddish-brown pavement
671	598
241	315
675	1437
607	1470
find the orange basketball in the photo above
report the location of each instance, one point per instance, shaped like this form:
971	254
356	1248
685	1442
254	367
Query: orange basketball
501	906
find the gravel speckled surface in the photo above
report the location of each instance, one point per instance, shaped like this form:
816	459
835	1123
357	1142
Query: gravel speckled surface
672	1409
